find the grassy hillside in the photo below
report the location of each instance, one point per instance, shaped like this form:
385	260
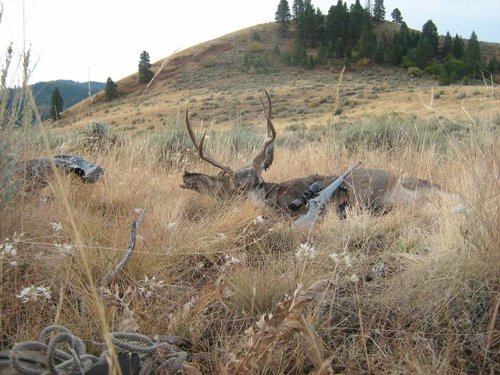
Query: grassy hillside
414	291
212	80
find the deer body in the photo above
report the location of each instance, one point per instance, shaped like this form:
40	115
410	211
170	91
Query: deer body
370	188
280	195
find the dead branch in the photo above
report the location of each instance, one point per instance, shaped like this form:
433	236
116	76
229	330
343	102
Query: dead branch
110	276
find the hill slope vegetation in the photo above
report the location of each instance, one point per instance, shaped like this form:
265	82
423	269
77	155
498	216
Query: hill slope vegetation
222	78
411	291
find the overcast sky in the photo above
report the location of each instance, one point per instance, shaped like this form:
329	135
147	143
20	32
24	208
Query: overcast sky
93	39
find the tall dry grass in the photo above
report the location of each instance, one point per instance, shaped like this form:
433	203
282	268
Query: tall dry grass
412	291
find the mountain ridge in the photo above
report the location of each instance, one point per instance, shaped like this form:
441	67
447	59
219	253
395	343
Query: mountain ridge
71	91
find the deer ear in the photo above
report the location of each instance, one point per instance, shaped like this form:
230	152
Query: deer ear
269	157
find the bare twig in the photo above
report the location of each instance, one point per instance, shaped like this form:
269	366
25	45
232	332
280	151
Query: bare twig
110	276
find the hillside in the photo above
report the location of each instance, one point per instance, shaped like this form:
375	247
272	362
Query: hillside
210	79
228	282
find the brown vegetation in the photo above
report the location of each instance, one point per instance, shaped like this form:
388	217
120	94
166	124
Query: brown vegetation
416	290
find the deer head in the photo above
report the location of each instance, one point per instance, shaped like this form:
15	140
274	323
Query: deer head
229	182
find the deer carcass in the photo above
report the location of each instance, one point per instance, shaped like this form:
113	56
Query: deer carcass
371	188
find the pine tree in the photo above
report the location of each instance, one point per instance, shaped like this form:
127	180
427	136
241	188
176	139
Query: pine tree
308	27
368	6
322	54
356	20
421	55
348	58
473	53
429	30
493	65
379	54
396	16
56	104
336	25
145	73
320	26
447	45
283	16
111	89
458	47
339	49
299	53
297	8
368	41
379	10
402	42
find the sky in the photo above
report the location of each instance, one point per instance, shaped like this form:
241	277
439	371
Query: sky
92	40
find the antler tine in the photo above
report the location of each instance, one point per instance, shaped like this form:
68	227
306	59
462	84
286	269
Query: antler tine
271	135
199	148
190	131
207	158
270	126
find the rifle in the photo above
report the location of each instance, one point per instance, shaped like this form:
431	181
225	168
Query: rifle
315	205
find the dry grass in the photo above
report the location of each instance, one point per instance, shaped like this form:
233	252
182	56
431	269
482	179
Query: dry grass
412	291
224	90
416	290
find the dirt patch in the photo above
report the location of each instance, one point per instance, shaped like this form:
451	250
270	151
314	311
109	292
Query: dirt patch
130	85
177	63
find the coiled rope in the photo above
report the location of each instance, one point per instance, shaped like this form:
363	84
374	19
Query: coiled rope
76	361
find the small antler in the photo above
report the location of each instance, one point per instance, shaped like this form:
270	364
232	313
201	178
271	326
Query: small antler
199	148
264	158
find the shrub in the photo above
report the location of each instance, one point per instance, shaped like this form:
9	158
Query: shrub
394	133
456	69
434	69
97	137
256	36
444	78
209	61
295	128
170	147
286	58
415	72
255	47
238	140
363	61
257	63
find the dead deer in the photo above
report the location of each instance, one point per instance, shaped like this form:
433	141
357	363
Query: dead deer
371	188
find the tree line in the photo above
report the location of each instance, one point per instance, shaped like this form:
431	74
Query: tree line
348	33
